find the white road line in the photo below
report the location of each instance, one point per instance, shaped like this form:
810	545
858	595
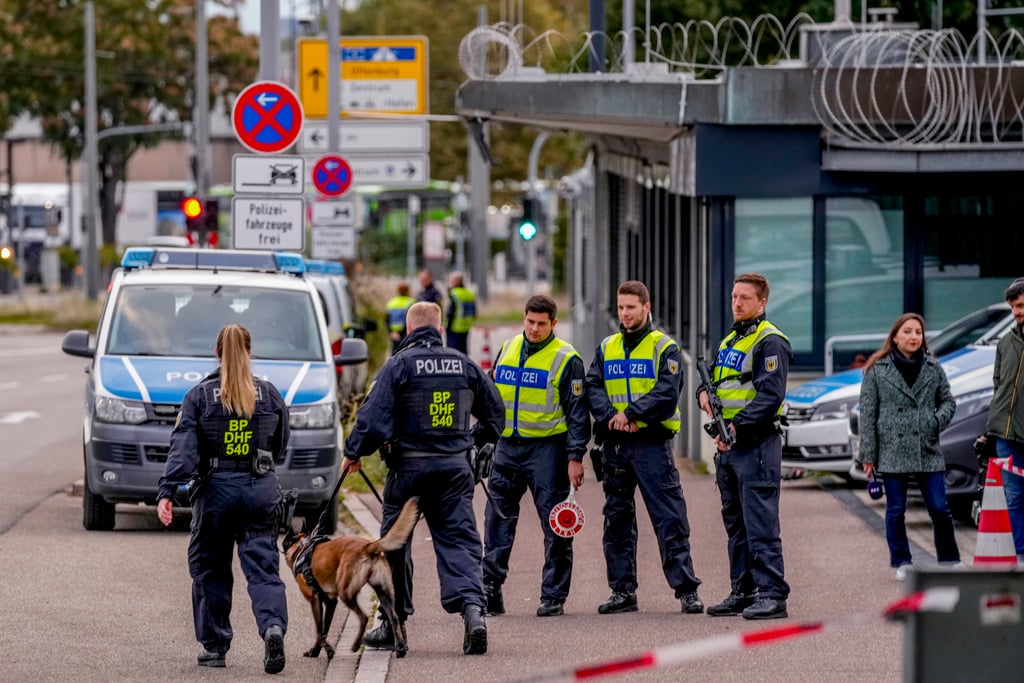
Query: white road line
50	379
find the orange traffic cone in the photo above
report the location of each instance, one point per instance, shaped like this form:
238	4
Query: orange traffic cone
995	539
485	351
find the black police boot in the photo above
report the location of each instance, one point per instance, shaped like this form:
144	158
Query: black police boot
475	640
495	601
550	608
382	637
618	603
767	608
691	602
732	605
273	655
211	659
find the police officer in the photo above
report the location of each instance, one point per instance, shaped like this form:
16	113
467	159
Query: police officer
397	307
231	428
461	312
429	291
547	427
633	388
420	407
750	375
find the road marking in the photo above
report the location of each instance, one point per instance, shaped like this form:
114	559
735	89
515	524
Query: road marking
18	417
50	379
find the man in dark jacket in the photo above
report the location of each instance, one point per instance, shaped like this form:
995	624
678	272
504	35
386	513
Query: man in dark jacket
1006	414
429	291
418	410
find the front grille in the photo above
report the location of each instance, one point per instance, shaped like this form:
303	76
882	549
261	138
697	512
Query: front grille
308	458
794	415
164	413
156	454
108	451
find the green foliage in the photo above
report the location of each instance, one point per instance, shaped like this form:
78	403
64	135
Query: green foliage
68	256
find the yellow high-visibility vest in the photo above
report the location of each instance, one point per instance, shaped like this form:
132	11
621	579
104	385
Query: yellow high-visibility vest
533	404
734	368
397	307
465	309
629	377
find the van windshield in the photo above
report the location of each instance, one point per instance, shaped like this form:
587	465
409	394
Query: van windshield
184	320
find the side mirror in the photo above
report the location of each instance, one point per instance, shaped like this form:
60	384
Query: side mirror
353	352
76	343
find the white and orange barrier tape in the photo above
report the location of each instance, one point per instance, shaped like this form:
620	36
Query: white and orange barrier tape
940	599
1004	464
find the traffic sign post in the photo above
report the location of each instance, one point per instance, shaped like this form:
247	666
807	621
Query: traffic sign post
261	174
332	176
378	74
267	117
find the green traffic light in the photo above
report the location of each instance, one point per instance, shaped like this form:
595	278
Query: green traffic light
527	231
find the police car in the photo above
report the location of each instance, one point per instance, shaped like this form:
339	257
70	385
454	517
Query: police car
155	341
816	437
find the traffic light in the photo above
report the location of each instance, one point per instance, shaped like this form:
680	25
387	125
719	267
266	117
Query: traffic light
530	220
193	210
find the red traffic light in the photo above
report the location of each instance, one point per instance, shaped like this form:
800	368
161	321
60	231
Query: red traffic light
192	207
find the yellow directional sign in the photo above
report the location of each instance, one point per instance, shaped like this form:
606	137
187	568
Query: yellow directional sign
386	74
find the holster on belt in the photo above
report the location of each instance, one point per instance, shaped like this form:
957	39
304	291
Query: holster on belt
597	459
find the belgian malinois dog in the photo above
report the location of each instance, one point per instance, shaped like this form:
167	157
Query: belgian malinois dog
341	567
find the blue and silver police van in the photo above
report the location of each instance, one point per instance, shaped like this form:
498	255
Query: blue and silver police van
155	341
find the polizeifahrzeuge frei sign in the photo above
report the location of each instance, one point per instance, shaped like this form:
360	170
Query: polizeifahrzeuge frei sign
268	223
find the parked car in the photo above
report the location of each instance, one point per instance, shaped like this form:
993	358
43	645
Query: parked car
970	380
816	413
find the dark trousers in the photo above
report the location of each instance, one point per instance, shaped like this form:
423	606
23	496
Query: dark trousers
1013	485
648	466
457	340
933	490
749	481
542	468
235	508
444	485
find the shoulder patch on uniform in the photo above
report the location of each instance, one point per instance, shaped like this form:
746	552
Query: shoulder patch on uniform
577	387
771	363
673	367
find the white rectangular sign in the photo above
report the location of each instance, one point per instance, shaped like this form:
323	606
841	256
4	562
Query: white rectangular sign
400	95
333	243
334	212
268	223
410	170
369	137
268	174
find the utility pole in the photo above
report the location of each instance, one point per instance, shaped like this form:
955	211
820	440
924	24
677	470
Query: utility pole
270	39
201	117
333	76
90	259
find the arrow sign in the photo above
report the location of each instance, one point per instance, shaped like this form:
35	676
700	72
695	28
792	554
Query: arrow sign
411	170
18	417
334	213
369	137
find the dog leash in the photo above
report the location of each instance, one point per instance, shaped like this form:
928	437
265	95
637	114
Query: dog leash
327	506
373	489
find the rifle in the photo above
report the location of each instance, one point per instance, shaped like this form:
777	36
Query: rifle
717	428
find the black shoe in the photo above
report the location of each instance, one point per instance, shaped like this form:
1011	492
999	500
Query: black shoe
273	657
495	601
550	608
767	608
211	659
691	603
732	605
382	637
475	640
618	603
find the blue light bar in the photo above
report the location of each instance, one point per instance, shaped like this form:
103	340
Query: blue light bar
290	262
137	257
334	268
315	266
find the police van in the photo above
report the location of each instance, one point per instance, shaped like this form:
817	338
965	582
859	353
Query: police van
155	341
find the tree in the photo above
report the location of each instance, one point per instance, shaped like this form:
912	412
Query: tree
145	74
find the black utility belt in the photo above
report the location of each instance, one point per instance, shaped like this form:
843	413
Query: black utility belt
409	453
260	465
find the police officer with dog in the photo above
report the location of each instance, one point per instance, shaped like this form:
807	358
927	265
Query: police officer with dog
633	388
418	414
547	427
231	428
750	375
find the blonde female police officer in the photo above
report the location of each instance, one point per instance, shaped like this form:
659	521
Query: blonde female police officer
230	429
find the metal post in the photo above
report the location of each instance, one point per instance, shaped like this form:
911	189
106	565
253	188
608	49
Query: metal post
596	54
480	197
201	122
982	26
90	257
333	76
413	211
270	38
531	179
628	24
21	252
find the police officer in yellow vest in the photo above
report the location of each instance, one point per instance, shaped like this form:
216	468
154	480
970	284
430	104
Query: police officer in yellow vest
461	313
397	307
547	427
750	374
633	388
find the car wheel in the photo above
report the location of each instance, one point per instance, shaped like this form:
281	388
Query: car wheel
97	514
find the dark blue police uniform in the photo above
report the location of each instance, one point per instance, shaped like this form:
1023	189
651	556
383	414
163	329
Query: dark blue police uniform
420	405
234	505
643	459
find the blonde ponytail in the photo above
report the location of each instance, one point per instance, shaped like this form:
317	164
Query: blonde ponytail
237	390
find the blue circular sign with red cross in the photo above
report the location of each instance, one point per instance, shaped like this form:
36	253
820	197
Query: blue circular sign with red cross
332	175
267	117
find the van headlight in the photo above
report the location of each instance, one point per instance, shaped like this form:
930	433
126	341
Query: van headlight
315	416
109	409
833	410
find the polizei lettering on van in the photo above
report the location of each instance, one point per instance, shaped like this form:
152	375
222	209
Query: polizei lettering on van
439	366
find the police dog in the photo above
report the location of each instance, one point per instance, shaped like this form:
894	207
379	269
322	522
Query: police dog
341	567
